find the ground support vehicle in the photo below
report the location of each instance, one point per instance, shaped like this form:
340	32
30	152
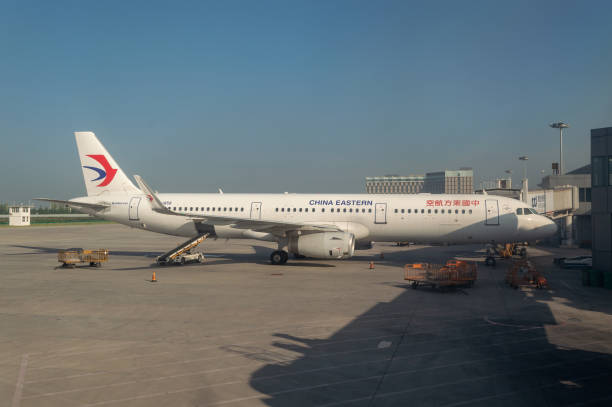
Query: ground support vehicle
74	256
504	251
578	262
453	273
522	273
182	254
186	257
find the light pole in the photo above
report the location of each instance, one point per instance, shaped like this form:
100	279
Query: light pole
524	159
560	126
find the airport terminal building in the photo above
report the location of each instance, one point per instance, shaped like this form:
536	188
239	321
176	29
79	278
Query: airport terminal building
601	194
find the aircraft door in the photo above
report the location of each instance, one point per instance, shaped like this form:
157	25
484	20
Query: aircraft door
255	210
133	210
492	208
380	213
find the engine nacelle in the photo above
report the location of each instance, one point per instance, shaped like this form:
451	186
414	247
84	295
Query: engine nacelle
324	245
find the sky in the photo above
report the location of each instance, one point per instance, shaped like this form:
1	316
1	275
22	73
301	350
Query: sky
298	96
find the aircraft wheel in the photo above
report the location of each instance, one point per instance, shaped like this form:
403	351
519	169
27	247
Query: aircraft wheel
279	257
276	257
201	259
182	261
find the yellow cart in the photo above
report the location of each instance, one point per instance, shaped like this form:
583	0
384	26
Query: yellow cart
74	256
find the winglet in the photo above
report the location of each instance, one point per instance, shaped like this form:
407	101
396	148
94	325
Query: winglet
156	204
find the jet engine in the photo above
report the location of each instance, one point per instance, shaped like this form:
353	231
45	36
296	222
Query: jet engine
323	245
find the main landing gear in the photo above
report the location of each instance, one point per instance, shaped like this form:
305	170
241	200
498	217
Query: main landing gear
279	257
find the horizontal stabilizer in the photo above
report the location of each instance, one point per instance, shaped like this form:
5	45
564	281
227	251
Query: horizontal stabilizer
95	207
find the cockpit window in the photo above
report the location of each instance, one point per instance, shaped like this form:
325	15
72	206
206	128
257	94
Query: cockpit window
519	211
529	211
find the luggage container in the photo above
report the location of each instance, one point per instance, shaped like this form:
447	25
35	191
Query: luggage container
71	257
453	273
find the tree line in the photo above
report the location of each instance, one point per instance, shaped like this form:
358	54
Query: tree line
53	209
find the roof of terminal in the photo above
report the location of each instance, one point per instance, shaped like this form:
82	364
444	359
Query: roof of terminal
582	170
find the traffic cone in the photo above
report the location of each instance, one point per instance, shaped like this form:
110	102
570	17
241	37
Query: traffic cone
153	279
371	265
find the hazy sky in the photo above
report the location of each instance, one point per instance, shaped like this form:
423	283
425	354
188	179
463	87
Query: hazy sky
313	96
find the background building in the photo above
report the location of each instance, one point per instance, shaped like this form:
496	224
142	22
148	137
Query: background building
395	184
499	187
601	205
19	215
450	182
441	182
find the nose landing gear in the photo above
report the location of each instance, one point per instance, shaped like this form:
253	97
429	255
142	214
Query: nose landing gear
279	257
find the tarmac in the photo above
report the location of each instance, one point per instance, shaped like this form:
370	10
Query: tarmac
237	331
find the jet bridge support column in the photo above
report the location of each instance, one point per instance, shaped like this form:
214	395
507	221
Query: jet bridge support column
569	230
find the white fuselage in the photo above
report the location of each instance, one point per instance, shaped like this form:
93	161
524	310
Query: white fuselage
418	218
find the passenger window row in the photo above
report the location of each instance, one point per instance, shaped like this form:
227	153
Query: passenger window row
337	210
205	209
294	209
448	211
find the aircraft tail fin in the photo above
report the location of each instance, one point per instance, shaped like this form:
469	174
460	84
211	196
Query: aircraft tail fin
100	171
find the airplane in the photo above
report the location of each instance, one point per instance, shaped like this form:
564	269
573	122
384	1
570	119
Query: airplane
323	226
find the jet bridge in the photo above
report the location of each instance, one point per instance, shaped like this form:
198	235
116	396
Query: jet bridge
559	204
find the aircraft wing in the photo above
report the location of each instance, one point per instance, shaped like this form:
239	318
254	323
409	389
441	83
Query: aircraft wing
273	227
96	206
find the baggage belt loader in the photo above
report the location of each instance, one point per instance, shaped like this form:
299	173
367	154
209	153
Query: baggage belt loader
452	274
182	254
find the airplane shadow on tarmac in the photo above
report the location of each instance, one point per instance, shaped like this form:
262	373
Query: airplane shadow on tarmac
262	253
496	346
260	256
54	250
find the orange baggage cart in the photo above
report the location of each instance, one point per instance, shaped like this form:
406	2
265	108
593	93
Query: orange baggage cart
453	273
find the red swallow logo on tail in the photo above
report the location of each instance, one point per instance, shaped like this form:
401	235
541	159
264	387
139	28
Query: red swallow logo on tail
107	174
